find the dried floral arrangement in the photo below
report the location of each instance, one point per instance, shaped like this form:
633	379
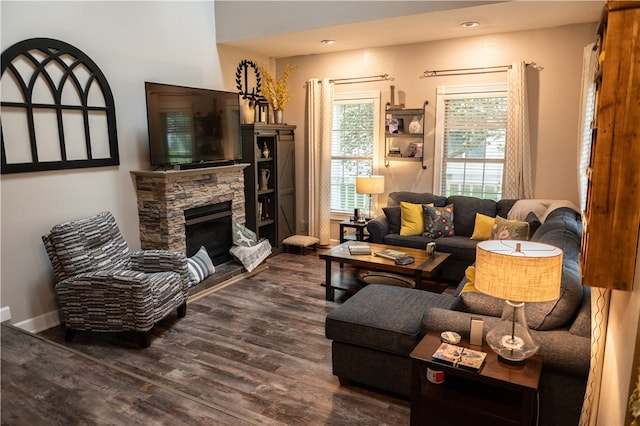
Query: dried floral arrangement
274	90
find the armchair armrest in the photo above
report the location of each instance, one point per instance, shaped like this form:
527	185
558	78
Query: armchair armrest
150	261
378	228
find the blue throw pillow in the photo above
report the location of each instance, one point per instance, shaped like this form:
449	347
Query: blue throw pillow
200	266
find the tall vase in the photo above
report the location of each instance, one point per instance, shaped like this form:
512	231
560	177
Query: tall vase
248	112
264	179
277	116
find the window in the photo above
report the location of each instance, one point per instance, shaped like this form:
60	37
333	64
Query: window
353	147
471	129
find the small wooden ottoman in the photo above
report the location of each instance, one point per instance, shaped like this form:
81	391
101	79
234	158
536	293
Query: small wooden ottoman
301	242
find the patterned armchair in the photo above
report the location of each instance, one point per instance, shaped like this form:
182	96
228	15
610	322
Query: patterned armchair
102	286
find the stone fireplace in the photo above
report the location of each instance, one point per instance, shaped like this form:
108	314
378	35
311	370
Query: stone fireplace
165	196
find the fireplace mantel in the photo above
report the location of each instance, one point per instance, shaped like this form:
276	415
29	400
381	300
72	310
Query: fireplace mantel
163	196
174	174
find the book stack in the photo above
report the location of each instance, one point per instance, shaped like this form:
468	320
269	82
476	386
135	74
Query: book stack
457	356
359	248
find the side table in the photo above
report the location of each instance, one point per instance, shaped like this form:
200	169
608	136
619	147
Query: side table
358	235
499	394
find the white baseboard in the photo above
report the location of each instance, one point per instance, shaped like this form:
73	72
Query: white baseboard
5	314
41	322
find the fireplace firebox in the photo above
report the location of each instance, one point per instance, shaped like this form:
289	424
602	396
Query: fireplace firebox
210	226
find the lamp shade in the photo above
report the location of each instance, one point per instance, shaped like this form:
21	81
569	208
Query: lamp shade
370	184
520	271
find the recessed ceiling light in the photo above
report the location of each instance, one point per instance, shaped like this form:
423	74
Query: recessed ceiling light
470	24
328	41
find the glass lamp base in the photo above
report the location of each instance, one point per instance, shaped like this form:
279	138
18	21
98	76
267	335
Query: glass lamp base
510	338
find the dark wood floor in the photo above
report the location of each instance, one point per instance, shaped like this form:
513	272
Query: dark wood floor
253	352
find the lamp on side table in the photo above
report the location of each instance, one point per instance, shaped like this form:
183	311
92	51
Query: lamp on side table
518	272
369	185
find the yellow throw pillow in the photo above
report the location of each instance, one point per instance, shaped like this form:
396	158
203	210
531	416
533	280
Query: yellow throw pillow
411	219
470	273
483	227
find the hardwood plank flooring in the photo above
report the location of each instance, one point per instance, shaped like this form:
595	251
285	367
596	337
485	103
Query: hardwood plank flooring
253	352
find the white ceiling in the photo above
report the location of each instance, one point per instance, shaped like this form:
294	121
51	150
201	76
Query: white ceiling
297	27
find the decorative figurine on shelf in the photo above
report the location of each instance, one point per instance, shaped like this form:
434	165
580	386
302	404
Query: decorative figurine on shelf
415	126
265	151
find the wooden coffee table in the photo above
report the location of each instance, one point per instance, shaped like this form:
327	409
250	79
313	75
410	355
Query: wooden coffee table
422	268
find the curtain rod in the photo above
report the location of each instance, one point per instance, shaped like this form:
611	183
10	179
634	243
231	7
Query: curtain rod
479	70
367	79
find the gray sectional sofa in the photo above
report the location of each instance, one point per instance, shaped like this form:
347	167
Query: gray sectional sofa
375	330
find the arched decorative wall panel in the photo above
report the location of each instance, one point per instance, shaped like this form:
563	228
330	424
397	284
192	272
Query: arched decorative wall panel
58	111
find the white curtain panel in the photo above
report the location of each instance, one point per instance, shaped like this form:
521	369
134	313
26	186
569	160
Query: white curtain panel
517	182
600	300
319	125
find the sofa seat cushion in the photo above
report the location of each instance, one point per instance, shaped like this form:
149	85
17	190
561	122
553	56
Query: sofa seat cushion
462	248
383	317
413	241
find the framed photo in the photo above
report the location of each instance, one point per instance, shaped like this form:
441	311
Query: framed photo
394	125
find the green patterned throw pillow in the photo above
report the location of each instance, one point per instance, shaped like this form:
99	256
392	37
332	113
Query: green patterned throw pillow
243	236
504	229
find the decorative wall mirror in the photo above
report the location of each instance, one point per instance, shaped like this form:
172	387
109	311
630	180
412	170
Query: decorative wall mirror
57	109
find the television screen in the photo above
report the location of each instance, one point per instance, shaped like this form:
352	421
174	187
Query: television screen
190	126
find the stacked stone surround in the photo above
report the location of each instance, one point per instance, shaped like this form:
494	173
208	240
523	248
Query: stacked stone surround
163	196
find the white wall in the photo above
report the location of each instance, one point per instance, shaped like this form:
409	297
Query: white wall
554	96
132	42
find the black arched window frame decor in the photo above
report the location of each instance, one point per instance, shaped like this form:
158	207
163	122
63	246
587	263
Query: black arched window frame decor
54	50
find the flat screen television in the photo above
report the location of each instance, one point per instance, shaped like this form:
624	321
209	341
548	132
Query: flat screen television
190	127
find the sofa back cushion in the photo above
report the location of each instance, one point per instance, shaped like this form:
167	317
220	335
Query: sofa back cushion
464	212
415	198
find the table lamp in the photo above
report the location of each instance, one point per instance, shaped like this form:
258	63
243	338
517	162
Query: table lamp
370	185
518	272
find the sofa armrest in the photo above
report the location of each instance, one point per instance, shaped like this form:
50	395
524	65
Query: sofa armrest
561	350
378	228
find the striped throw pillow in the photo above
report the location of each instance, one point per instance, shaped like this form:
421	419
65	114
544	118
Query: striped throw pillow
200	266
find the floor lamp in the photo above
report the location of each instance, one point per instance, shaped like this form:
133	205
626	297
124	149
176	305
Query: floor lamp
517	272
369	185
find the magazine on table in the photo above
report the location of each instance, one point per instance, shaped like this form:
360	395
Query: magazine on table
457	356
391	254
